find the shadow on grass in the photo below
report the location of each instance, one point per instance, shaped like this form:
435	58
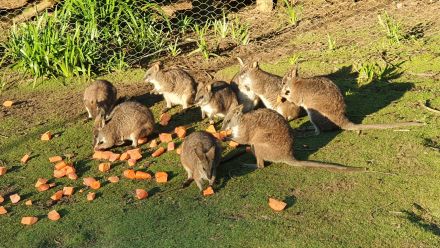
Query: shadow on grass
424	223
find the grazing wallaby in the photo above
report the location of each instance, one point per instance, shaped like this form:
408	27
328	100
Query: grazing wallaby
176	85
127	121
270	137
200	156
267	87
324	103
101	94
215	99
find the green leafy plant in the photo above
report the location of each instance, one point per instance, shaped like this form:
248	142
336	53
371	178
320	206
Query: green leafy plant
173	48
293	60
391	27
184	24
292	12
331	42
221	27
240	32
202	44
370	72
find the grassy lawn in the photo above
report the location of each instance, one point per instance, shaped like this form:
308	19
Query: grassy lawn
396	204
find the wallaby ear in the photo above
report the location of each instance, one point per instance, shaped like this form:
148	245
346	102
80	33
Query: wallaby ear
255	64
240	61
294	72
211	77
199	153
208	87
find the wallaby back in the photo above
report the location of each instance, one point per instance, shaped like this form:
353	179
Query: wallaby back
215	98
101	94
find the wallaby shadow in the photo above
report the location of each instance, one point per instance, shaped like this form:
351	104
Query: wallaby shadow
361	101
146	99
426	225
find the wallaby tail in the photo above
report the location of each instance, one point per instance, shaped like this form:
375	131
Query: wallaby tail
352	126
315	164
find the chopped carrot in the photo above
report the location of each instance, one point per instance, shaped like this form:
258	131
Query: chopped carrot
130	174
3	210
53	215
46	136
180	131
15	198
276	204
179	150
135	153
87	181
142	141
68	190
25	158
29	220
124	156
2	199
224	134
70	169
3	170
28	203
113	179
72	176
59	173
211	129
104	167
208	191
52	185
8	103
165	137
114	157
106	155
43	187
161	177
60	165
142	175
95	185
228	132
58	195
91	196
131	162
55	159
141	194
233	144
165	119
97	155
218	136
153	143
158	152
40	181
170	146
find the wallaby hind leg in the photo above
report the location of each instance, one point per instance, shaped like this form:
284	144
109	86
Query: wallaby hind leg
212	179
134	139
189	179
89	112
168	104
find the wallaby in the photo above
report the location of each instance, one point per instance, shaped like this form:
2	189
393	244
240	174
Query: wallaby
200	156
245	96
215	99
101	94
127	121
324	103
270	137
267	87
176	85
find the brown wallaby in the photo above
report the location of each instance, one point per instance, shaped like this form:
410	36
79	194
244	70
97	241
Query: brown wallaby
267	87
101	94
324	103
215	99
245	96
200	156
176	85
127	121
270	137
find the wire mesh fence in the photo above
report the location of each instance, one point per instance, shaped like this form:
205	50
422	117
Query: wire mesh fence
52	38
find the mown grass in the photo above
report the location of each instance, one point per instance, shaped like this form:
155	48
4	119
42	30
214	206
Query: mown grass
325	209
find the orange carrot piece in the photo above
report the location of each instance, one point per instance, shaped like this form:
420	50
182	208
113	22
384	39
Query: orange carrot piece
208	191
113	179
91	196
165	137
46	136
55	159
153	143
28	203
233	144
72	176
104	167
43	187
53	215
87	181
15	198
68	190
95	185
57	196
2	199
276	204
164	119
161	177
135	153
211	129
69	169
158	152
59	173
130	174
106	155
3	170
60	165
142	141
142	175
218	136
97	155
124	156
228	132
52	185
29	220
114	157
8	103
170	146
131	162
3	210
180	131
25	158
141	194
